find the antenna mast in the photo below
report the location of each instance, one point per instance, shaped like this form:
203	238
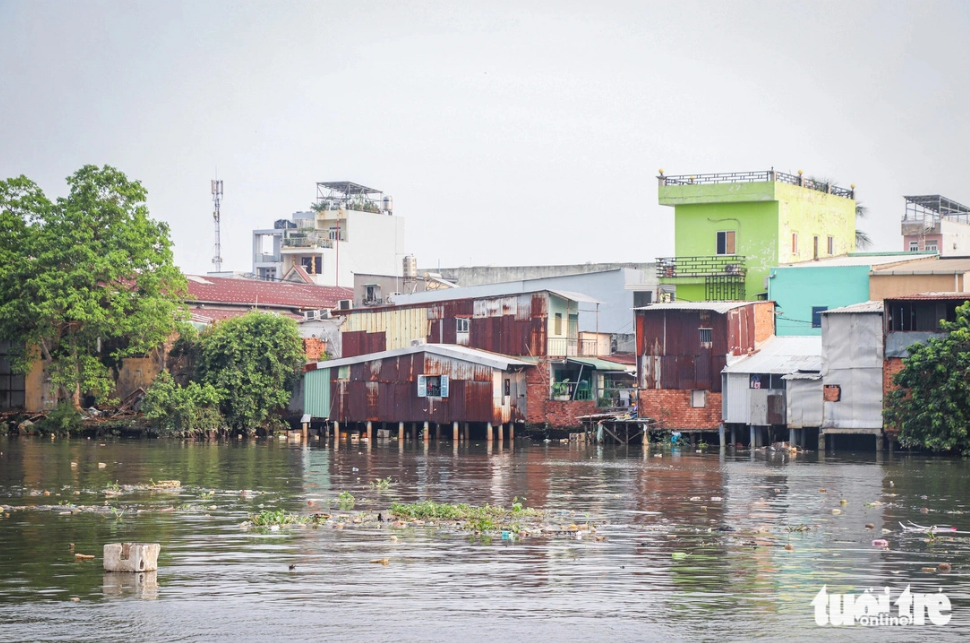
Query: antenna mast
216	196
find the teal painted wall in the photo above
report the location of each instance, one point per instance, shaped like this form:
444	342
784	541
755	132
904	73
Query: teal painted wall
316	393
796	290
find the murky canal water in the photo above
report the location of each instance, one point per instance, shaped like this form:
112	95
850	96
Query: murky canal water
731	514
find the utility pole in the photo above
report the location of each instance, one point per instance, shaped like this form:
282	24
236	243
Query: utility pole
216	196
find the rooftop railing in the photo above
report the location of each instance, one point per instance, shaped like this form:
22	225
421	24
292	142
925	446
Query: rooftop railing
757	177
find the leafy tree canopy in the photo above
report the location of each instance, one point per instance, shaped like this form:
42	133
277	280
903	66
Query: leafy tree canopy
255	359
86	279
931	407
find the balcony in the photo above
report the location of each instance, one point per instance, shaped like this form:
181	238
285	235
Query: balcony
299	239
670	269
266	258
563	347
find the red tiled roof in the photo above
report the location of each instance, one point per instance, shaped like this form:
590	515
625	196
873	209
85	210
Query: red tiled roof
273	294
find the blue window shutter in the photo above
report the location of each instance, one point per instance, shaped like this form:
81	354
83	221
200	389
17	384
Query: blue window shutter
444	386
422	386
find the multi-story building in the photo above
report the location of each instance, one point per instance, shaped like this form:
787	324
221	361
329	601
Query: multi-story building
351	228
934	223
731	229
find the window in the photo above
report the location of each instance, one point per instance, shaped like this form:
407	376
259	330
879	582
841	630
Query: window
698	399
725	242
313	265
766	381
462	324
432	386
794	243
815	247
817	315
831	245
914	246
642	298
832	393
557	327
705	337
508	387
372	294
343	373
931	245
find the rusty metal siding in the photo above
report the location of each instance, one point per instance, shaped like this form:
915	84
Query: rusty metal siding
669	350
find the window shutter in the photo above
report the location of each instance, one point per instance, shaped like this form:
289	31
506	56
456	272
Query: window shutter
422	386
444	386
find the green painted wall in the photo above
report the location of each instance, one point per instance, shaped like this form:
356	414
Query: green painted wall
316	393
796	290
763	215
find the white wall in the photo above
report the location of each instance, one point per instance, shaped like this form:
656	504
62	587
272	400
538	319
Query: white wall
956	239
852	358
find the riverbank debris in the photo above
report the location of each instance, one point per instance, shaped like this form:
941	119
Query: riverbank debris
881	543
945	568
81	557
382	561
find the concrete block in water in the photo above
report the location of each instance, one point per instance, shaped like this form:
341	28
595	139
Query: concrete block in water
131	557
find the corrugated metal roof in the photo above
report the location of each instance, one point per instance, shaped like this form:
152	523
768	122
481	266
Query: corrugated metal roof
860	260
864	307
464	353
927	267
713	306
782	355
599	364
485	292
803	375
252	292
933	296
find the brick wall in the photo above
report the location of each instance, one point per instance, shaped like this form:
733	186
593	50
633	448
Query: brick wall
890	367
671	408
542	410
314	349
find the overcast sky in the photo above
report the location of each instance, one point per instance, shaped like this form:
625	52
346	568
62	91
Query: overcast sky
507	133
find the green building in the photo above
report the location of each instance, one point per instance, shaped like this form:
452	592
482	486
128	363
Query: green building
731	229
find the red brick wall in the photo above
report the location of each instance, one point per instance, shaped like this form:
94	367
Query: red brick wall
890	367
314	349
542	410
671	408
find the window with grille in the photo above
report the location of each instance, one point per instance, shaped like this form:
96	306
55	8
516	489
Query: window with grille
706	341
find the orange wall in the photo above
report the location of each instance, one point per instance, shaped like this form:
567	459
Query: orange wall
891	286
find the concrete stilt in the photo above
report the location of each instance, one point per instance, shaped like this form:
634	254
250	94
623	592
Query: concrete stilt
400	431
370	432
720	436
306	431
454	432
511	432
753	438
336	435
488	432
791	437
501	433
427	433
437	432
880	443
465	431
734	436
821	441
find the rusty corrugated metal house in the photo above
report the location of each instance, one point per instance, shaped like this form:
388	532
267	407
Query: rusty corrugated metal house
434	383
540	327
682	348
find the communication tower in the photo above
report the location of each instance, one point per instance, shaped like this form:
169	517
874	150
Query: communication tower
216	196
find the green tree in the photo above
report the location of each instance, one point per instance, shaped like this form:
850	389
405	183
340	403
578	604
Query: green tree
193	408
255	359
931	406
85	280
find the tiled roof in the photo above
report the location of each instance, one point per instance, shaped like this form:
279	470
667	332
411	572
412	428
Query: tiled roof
273	294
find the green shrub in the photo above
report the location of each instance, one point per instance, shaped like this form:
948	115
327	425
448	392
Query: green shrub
63	419
170	408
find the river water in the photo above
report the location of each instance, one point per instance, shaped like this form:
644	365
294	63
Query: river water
693	547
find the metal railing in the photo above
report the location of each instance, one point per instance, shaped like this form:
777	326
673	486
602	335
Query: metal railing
590	348
307	240
702	266
607	397
265	258
616	397
757	177
562	347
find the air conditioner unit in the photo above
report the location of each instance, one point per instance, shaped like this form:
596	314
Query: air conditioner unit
345	304
317	314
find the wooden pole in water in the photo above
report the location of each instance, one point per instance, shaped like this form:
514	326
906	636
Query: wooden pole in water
370	432
336	435
511	431
454	432
501	433
400	431
427	433
488	432
466	432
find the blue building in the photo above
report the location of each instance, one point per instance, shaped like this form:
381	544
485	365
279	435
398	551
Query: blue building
802	291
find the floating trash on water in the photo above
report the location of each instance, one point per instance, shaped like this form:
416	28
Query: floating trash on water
869	525
101	465
821	490
716	498
924	510
695	498
929	569
789	547
678	555
879	542
836	512
843	502
83	557
892	484
381	561
945	568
